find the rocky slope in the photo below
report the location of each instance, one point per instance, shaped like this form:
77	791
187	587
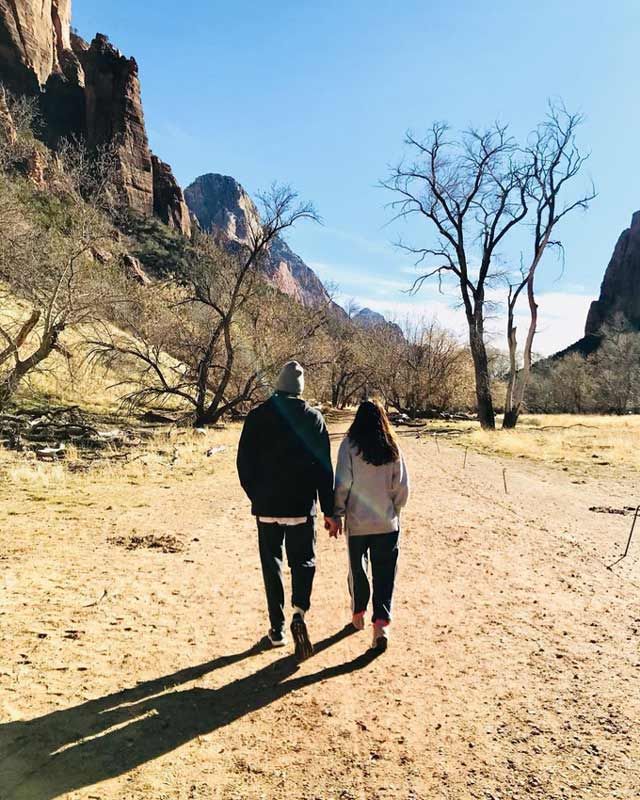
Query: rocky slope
219	201
169	204
90	91
620	291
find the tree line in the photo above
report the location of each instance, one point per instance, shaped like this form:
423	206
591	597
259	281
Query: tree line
206	334
606	381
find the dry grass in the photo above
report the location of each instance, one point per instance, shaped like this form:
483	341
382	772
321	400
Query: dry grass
583	442
170	456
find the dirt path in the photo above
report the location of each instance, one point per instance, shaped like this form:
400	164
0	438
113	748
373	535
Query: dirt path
513	670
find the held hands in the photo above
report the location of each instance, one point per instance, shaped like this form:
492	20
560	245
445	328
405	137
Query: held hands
334	526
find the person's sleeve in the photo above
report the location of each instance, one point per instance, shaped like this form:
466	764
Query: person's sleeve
325	470
400	484
246	461
344	479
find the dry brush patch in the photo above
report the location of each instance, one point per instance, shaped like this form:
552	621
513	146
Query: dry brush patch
588	443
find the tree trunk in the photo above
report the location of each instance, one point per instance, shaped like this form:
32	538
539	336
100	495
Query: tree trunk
12	380
519	379
511	417
486	414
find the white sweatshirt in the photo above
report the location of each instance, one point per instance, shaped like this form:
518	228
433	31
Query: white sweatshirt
370	497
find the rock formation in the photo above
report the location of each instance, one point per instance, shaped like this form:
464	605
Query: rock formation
114	116
88	91
35	42
168	200
620	291
370	319
619	300
218	201
292	276
135	269
92	92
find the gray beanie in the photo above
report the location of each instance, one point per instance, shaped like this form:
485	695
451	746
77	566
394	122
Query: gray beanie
291	380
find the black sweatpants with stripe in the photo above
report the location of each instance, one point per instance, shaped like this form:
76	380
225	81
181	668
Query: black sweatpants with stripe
381	549
300	544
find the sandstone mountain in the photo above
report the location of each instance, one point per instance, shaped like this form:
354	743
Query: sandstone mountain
219	201
368	318
35	42
90	91
620	291
619	300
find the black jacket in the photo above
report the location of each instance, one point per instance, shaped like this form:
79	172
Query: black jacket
284	459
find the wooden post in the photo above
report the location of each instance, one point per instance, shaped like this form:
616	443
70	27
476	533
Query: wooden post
504	480
626	549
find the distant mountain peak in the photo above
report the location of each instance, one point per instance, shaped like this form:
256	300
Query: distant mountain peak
368	318
220	201
620	290
619	301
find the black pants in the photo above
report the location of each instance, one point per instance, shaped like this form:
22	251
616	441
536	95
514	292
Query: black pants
382	550
300	543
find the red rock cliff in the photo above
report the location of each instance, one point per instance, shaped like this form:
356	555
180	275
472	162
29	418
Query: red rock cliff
34	40
89	91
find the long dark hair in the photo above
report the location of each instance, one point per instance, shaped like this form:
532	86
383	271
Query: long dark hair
371	433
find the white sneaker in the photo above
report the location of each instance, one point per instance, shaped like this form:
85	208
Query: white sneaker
277	638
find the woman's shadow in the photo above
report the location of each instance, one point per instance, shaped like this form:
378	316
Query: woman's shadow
52	755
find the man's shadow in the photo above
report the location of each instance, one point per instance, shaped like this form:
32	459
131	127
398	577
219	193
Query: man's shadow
52	755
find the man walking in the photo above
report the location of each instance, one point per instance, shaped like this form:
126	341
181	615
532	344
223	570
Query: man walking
284	465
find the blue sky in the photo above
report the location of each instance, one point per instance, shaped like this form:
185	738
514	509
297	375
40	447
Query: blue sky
319	95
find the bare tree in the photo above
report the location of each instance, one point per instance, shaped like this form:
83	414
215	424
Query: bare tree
49	239
553	160
472	193
614	369
423	371
349	357
190	336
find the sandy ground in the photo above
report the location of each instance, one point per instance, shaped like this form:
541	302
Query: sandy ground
512	672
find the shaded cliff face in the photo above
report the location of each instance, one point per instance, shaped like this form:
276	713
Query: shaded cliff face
88	91
620	291
169	204
219	201
34	42
113	113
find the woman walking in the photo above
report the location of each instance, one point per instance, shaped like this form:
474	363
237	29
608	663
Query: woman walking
372	486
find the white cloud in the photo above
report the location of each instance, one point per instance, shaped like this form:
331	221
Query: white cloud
562	319
562	316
